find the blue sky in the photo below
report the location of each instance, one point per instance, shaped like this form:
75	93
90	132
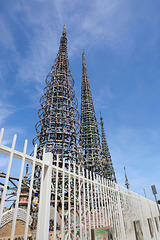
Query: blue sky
122	47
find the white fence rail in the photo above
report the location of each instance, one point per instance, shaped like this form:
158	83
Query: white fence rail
70	203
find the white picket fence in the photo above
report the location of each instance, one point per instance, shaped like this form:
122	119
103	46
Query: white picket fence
72	202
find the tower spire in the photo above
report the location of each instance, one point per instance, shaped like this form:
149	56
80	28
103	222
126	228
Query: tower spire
126	179
90	140
108	170
58	125
64	28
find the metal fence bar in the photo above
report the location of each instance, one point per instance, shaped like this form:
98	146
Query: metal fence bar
45	197
8	173
104	201
92	197
98	187
40	202
89	214
30	193
109	203
95	195
74	202
55	206
84	205
1	135
69	203
18	190
102	206
80	209
112	205
63	191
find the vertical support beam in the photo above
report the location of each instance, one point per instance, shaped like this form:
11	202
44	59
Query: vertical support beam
104	204
18	190
108	201
93	217
30	193
63	179
80	208
1	135
69	201
95	195
55	206
111	204
120	213
75	198
89	214
45	194
8	173
84	205
99	206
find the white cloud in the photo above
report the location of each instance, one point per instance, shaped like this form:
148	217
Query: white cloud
88	24
134	149
6	38
6	111
132	143
42	26
4	160
9	135
101	95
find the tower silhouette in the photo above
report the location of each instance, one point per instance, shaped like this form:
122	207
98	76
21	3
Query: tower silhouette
126	179
58	125
108	170
89	137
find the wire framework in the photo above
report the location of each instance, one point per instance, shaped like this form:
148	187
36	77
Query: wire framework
90	140
58	125
108	170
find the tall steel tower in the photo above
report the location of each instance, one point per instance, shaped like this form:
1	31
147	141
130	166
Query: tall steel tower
58	125
89	138
108	170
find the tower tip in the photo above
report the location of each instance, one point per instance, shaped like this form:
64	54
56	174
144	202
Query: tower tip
101	118
64	28
126	179
83	54
83	57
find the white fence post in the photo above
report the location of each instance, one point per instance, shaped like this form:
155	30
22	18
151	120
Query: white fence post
30	193
18	191
8	173
45	193
120	214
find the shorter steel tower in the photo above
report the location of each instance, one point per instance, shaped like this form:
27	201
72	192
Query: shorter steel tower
108	170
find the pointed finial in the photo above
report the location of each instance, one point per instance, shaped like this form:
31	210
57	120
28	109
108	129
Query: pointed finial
101	115
64	29
126	179
83	57
27	167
